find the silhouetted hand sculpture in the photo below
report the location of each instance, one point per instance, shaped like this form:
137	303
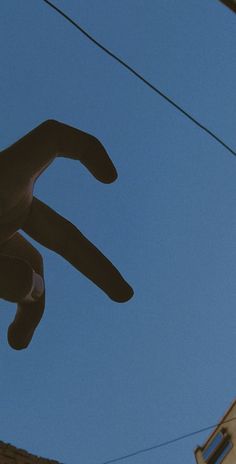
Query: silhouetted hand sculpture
21	265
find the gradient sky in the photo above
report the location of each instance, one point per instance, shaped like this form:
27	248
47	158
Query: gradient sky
100	379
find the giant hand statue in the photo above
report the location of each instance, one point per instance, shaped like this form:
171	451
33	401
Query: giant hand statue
21	265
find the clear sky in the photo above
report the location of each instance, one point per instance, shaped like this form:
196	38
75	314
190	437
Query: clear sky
100	379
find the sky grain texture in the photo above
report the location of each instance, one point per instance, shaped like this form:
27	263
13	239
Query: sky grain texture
100	379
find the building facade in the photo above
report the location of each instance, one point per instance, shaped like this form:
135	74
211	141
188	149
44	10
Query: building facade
11	455
220	447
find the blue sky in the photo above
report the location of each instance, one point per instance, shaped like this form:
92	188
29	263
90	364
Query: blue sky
100	379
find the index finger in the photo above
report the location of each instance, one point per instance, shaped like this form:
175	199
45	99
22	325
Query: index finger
76	144
33	153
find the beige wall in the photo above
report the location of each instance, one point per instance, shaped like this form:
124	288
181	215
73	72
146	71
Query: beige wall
231	430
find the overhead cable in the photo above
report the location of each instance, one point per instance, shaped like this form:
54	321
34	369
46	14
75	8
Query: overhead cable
139	76
165	443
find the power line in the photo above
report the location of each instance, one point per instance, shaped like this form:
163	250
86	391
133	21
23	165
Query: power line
139	76
166	443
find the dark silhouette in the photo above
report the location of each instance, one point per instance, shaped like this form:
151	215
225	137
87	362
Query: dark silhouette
230	3
21	265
